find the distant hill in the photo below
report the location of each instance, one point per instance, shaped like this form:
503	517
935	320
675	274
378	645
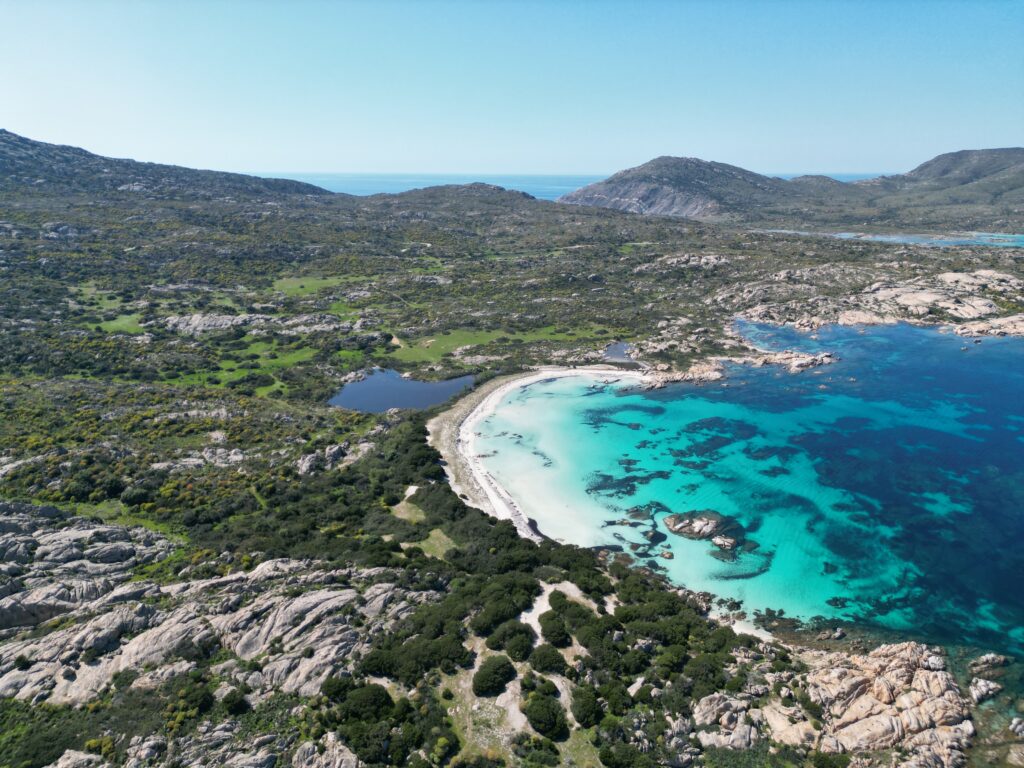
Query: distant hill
26	164
961	189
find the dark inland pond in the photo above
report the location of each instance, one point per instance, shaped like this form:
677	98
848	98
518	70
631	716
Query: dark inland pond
384	389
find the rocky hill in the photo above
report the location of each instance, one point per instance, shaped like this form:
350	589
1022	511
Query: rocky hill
26	164
958	190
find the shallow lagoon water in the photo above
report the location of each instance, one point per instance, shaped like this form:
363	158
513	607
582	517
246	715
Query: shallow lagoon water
886	489
996	239
384	389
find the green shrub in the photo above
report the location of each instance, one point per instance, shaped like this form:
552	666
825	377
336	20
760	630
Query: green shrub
585	706
535	751
235	702
546	716
547	658
823	760
494	674
336	688
552	626
513	637
367	702
624	756
812	708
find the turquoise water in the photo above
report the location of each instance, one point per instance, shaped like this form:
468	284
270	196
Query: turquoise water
886	489
997	239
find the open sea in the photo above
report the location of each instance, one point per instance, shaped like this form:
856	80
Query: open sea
886	489
549	187
544	187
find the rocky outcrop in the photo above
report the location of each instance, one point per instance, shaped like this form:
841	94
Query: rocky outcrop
301	618
724	532
983	690
51	563
794	362
330	753
895	696
969	301
74	759
328	458
195	324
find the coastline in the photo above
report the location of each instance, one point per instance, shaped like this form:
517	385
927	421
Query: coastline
452	433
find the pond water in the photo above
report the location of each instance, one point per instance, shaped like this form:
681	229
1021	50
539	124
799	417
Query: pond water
384	389
618	352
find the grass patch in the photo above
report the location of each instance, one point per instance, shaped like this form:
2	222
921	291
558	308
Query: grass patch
579	748
269	358
343	310
431	349
123	324
435	545
304	286
408	511
113	512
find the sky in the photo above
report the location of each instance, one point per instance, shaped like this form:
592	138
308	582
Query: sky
515	87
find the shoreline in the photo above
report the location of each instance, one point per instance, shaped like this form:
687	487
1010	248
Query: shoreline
452	434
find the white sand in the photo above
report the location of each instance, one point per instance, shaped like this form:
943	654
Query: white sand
456	440
454	434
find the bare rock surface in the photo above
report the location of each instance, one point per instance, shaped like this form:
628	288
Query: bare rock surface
303	620
331	754
969	301
195	324
52	562
982	689
896	696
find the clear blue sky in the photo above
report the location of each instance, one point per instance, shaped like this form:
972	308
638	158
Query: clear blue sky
515	87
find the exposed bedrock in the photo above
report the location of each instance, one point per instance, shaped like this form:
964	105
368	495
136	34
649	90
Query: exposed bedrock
301	618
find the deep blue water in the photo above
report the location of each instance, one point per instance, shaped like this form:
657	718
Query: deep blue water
549	187
542	186
886	489
836	176
385	389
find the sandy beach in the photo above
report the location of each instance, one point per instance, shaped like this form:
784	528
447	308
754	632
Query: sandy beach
453	434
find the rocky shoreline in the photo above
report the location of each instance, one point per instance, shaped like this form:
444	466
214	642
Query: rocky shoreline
971	303
899	696
76	622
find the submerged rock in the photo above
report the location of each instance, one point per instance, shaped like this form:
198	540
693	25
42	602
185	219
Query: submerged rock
707	525
987	662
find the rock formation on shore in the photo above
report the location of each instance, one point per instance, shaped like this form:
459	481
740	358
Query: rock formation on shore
895	697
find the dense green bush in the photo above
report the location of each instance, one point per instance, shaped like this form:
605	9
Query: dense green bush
494	674
513	637
620	755
235	702
547	658
535	751
552	626
366	702
546	716
586	707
